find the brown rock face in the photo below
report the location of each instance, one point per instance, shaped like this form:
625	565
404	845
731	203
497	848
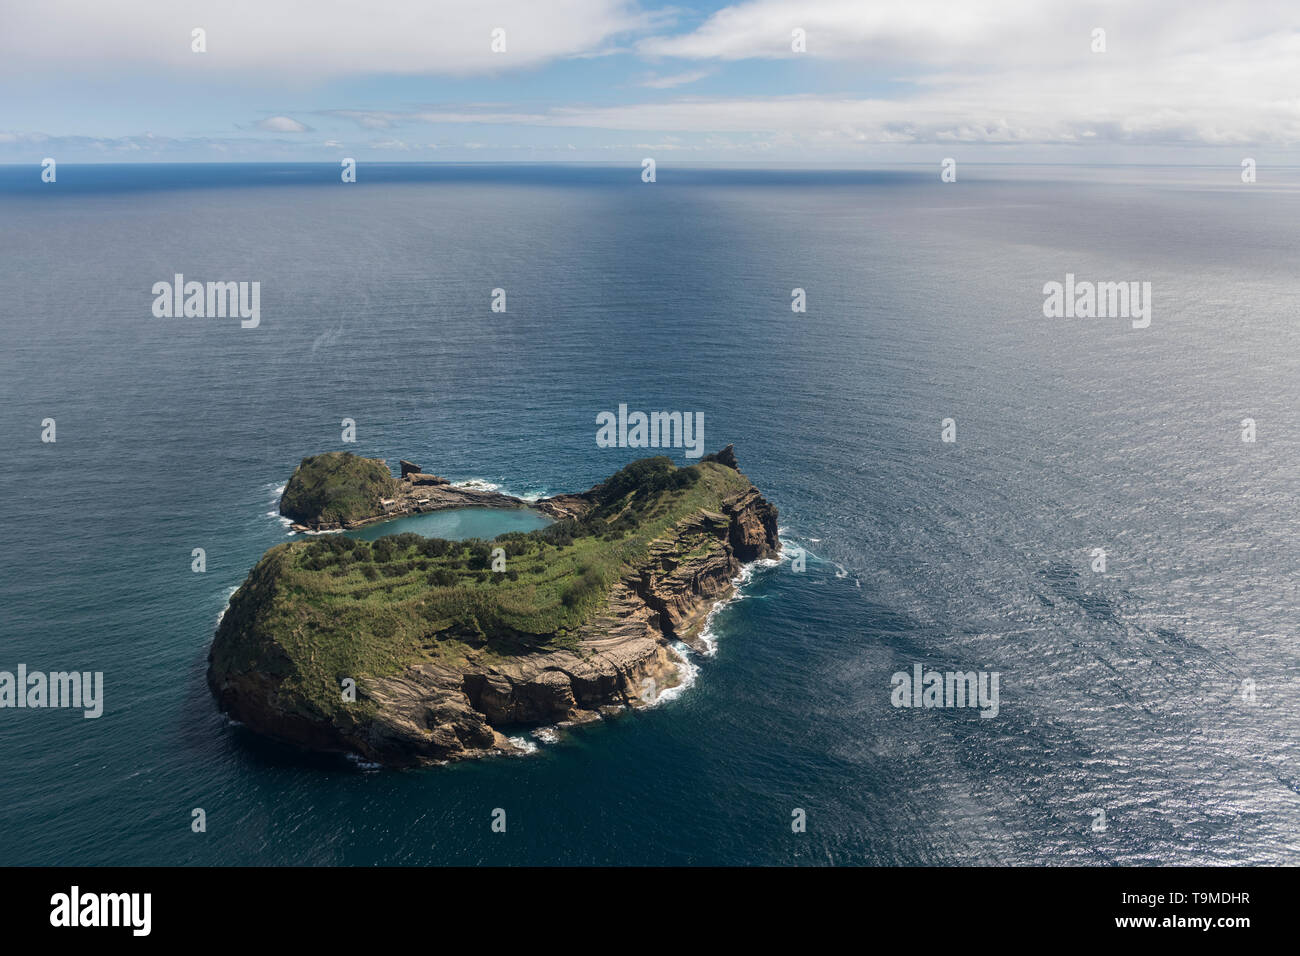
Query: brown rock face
409	467
753	527
725	457
419	478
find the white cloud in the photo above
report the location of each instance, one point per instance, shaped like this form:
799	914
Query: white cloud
1010	72
282	124
307	38
388	119
844	28
676	79
1193	71
988	33
1012	109
979	71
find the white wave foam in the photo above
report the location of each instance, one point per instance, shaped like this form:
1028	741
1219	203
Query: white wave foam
226	607
525	745
363	764
787	543
707	636
482	484
687	673
748	571
276	491
477	484
794	543
286	523
547	735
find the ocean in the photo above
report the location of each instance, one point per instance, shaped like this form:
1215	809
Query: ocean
1147	712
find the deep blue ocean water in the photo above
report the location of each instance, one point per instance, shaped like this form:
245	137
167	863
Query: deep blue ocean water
1120	691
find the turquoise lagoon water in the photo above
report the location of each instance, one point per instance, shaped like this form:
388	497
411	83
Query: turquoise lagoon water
457	524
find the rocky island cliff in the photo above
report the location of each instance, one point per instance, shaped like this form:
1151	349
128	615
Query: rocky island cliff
409	650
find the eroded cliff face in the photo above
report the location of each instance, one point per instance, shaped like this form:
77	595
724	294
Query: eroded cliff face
621	658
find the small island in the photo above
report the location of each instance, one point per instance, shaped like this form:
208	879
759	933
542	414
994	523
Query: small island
408	651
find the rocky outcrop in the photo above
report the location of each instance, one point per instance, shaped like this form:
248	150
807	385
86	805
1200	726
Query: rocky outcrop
419	478
432	712
725	457
753	526
409	467
337	489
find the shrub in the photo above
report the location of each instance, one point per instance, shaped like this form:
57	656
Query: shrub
434	547
581	589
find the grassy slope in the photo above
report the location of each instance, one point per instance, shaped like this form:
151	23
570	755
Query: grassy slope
343	608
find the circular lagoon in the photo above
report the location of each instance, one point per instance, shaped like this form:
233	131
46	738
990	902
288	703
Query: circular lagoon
456	524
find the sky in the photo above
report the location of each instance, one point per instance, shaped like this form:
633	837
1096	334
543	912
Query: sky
777	82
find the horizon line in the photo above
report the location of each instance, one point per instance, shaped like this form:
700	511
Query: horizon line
544	162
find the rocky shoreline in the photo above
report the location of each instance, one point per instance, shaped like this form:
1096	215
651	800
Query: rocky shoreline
431	711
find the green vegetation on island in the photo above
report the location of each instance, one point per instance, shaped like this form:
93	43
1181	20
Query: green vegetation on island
312	613
337	488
